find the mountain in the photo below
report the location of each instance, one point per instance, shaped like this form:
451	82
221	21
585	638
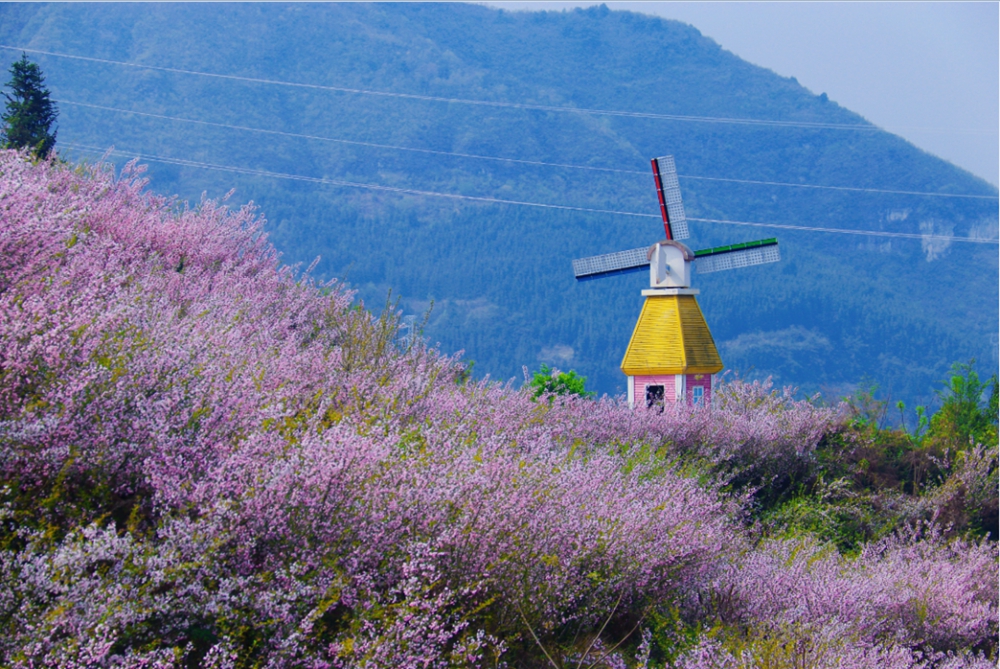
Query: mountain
837	312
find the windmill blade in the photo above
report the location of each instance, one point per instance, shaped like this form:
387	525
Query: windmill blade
669	191
737	255
611	263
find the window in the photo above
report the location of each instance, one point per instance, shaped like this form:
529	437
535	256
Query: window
697	395
654	396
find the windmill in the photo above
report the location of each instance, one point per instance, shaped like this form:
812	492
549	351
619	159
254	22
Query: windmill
672	356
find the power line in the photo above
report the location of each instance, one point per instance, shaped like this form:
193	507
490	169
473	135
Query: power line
867	233
353	184
349	141
513	160
482	103
856	189
491	200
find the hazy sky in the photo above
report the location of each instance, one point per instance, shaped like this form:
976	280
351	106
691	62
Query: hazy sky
927	71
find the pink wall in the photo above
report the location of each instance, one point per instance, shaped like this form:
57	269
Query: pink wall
669	383
701	381
665	380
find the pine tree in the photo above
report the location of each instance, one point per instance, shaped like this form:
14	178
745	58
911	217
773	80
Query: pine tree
30	113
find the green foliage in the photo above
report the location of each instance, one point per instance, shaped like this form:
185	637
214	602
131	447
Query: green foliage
838	513
872	479
923	420
966	414
30	113
551	382
367	342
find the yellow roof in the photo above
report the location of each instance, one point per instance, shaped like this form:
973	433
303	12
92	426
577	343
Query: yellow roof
671	337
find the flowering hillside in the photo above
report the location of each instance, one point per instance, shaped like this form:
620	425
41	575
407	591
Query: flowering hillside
207	459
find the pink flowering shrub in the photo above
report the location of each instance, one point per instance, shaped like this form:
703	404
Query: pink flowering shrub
752	435
827	648
209	460
894	604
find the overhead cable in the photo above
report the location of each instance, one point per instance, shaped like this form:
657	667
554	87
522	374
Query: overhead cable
816	125
350	141
353	184
492	200
856	189
867	233
512	160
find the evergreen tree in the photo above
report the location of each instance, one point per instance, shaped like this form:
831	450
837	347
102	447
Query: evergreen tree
30	113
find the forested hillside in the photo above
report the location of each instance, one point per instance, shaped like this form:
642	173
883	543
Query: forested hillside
837	311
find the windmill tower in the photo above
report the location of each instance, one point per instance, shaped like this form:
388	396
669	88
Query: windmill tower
672	356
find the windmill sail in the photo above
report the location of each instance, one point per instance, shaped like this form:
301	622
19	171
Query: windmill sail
621	262
737	255
675	225
669	191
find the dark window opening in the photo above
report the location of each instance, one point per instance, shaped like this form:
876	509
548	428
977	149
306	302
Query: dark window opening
654	396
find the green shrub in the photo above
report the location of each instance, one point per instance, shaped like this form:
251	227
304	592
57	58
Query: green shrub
551	382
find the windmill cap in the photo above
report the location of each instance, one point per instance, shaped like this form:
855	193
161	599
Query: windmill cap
688	253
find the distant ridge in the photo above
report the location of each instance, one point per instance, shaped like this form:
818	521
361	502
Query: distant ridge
836	312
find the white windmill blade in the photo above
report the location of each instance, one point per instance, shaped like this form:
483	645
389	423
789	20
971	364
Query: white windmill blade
672	197
737	255
611	263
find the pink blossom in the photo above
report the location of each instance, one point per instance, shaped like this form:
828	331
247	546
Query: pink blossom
207	458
